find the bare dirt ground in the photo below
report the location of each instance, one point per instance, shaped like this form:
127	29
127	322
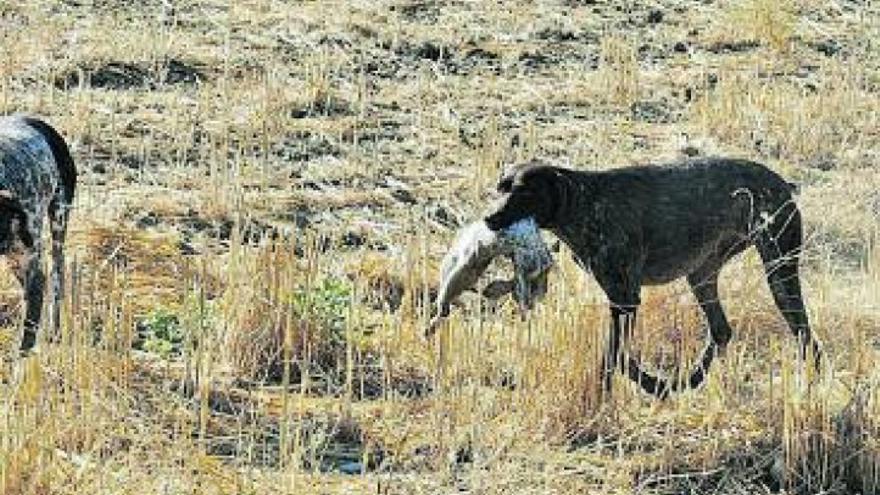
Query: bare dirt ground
267	189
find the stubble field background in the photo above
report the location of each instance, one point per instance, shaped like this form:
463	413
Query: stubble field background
267	189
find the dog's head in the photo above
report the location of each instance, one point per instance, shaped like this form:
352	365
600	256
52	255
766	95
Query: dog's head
533	190
13	223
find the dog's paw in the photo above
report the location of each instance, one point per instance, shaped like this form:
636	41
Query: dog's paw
29	351
28	347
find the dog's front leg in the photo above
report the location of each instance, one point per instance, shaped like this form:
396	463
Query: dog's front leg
28	268
618	271
622	325
622	322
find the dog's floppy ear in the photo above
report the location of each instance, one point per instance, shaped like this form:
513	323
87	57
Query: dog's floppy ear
505	182
11	208
512	173
549	184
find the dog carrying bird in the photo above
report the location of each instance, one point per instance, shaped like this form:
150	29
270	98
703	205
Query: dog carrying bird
650	225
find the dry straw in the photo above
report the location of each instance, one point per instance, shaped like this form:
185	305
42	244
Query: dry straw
267	189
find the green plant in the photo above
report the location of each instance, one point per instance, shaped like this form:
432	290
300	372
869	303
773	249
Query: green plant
324	308
160	332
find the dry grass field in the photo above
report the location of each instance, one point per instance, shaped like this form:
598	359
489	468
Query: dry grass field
267	188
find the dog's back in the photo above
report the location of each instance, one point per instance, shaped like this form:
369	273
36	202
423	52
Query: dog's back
27	165
702	184
684	212
63	159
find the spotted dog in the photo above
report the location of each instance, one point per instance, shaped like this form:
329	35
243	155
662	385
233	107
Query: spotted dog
37	181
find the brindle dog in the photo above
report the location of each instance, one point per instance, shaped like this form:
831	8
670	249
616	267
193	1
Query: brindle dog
649	225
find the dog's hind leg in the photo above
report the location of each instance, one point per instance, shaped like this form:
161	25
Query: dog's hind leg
779	245
651	384
704	285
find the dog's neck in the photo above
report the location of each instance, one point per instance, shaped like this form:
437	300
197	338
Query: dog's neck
576	216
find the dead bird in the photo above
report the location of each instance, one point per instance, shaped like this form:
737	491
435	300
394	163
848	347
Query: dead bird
472	252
